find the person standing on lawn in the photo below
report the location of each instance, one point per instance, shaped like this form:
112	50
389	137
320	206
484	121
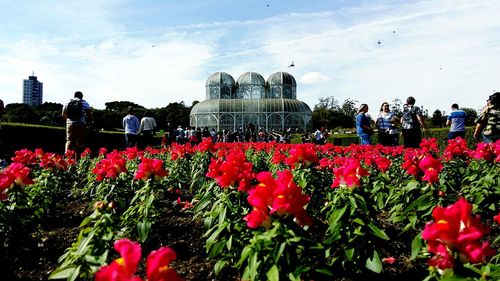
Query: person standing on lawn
386	124
78	115
456	120
363	126
488	123
131	126
412	123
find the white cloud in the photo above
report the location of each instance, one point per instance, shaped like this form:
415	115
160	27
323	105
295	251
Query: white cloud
313	78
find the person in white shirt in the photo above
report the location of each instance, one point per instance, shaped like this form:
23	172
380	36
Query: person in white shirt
147	128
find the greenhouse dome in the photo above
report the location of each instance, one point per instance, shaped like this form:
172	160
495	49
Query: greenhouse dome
270	106
220	85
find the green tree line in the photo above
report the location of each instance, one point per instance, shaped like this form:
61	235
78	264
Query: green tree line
110	118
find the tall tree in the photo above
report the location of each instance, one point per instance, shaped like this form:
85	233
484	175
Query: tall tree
471	116
349	107
327	103
438	119
20	113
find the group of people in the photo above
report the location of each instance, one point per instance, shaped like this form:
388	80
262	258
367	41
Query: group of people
387	123
412	123
78	115
133	128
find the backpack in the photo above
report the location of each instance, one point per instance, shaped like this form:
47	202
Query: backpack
74	109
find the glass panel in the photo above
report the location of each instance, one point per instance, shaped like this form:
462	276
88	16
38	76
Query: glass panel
295	122
287	92
257	92
226	122
225	92
275	92
209	121
244	92
214	92
274	122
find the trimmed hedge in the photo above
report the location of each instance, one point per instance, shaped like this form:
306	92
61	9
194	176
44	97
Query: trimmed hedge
17	136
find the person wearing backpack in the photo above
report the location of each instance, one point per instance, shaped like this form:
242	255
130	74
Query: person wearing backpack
412	123
77	114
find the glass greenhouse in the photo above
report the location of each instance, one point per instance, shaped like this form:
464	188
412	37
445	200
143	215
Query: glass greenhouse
267	105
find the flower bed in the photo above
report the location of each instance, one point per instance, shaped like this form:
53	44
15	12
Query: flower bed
263	211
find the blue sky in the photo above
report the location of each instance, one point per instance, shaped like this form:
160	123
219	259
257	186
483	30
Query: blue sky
154	52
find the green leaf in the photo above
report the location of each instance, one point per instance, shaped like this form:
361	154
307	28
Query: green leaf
456	278
219	265
378	232
374	264
358	221
222	215
325	271
75	274
337	215
62	273
244	255
416	246
273	274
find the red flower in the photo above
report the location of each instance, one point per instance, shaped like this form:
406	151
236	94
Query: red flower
483	151
382	163
442	258
431	168
411	161
301	154
349	173
281	196
234	171
85	153
110	167
389	260
497	218
24	156
103	151
257	218
456	148
454	228
150	167
429	145
14	174
158	265
124	267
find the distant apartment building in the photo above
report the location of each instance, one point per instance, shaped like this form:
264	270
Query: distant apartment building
32	91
